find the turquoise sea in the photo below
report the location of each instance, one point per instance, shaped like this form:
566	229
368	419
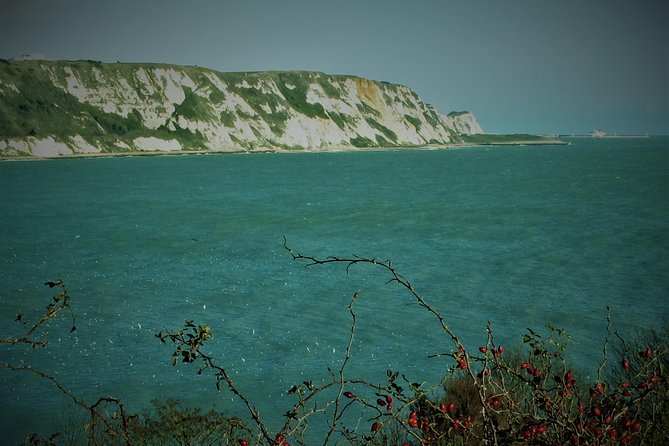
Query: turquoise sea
518	236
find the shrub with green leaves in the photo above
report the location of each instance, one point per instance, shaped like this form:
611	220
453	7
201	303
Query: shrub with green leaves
490	396
170	423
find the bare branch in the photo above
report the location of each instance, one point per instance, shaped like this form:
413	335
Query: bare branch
61	301
395	277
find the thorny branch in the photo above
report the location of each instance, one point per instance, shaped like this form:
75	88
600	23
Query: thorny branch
189	341
337	414
400	280
61	301
606	344
388	266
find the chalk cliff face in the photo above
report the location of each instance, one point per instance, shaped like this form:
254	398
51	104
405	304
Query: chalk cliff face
54	108
463	123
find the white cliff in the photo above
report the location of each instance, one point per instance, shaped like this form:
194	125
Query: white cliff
463	123
53	108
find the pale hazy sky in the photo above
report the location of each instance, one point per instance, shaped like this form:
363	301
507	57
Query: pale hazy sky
519	65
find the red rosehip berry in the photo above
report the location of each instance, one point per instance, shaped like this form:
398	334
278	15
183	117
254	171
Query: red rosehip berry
596	411
442	408
648	353
483	350
389	399
243	442
451	407
349	394
380	402
625	364
375	427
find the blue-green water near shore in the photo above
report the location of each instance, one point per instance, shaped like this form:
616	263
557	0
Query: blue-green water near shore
518	236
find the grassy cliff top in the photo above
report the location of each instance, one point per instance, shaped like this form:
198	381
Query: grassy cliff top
128	67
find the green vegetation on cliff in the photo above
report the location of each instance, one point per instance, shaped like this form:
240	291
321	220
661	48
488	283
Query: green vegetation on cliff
512	139
91	106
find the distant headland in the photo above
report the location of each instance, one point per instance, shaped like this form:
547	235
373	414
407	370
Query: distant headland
88	108
599	133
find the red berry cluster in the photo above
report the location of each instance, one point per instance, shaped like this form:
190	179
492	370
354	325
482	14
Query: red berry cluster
530	369
413	420
495	351
533	431
386	401
559	414
418	423
280	440
611	414
450	407
494	401
458	424
567	383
